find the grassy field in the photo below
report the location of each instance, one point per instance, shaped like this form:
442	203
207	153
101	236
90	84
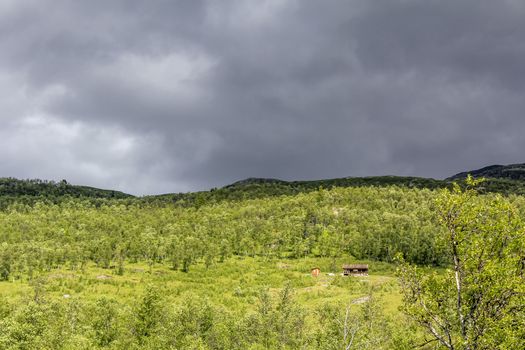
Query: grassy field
234	284
70	301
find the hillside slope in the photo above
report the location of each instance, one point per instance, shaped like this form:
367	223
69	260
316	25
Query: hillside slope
508	172
10	187
252	188
500	179
505	179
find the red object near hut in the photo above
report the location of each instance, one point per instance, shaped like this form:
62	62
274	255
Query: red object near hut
316	272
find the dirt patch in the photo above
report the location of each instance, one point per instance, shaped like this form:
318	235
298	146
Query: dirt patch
104	277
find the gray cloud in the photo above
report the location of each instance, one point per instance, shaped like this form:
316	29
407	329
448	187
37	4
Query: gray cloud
164	96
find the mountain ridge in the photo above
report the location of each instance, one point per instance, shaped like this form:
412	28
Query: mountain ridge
506	179
10	186
510	172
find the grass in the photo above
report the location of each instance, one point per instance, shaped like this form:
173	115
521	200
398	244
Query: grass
234	284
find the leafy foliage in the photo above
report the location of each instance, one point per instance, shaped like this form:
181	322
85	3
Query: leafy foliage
479	299
49	229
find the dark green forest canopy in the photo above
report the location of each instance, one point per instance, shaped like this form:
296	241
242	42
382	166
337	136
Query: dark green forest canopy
12	187
260	188
365	222
506	180
368	218
509	172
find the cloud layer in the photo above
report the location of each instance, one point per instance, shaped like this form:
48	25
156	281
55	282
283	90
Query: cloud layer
167	96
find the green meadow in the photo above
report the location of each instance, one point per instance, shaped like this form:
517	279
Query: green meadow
234	284
231	291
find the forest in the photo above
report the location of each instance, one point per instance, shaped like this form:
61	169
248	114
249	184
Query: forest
118	272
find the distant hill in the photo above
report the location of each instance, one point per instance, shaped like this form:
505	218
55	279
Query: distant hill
508	172
505	179
418	182
10	187
263	187
268	187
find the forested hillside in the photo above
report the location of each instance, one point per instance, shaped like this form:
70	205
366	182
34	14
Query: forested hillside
253	188
499	179
368	223
509	172
199	271
31	191
82	268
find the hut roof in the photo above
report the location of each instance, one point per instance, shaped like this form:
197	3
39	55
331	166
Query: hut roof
355	266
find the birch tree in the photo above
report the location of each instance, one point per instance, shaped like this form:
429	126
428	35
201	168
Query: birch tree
480	295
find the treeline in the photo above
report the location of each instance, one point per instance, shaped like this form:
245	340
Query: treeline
11	187
367	223
253	188
30	192
262	188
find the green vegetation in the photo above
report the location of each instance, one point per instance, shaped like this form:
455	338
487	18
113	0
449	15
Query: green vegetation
509	172
478	302
254	188
230	269
506	180
242	303
10	187
32	191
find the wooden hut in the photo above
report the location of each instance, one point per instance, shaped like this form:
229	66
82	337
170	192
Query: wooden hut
355	270
316	272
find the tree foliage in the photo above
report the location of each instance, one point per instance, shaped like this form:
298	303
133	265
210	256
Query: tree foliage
475	242
478	301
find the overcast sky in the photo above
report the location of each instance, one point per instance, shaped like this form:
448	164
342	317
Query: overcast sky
170	96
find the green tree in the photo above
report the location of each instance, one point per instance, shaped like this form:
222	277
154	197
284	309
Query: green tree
104	322
480	296
148	314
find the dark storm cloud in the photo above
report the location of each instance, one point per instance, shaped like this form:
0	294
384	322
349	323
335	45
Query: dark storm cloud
163	96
